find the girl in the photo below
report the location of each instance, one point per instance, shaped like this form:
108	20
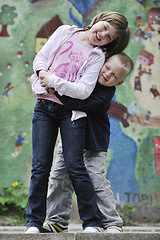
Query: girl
76	56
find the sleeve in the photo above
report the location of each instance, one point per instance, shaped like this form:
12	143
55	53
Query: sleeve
41	59
98	101
83	87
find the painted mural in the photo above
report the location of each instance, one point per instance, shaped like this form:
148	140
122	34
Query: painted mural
133	161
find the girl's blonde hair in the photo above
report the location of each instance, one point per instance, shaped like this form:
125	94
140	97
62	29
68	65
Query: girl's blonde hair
118	21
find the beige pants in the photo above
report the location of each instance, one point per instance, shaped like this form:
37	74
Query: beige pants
59	200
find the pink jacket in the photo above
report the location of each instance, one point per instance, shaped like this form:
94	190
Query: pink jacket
87	75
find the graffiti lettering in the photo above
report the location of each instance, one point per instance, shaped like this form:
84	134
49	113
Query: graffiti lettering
137	198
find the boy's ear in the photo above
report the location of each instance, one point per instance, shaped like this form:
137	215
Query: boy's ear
119	83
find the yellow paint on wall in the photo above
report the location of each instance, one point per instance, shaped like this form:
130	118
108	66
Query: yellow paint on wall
40	43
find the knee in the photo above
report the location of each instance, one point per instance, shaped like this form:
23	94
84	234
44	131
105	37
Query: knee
75	171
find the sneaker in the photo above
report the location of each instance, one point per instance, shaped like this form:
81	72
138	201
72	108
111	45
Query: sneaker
53	227
92	230
32	230
113	229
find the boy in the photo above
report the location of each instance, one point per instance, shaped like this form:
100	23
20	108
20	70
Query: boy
113	72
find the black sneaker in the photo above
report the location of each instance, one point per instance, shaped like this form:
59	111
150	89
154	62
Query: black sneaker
49	227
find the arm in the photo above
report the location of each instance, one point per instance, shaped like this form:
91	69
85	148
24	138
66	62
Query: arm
81	88
41	60
98	101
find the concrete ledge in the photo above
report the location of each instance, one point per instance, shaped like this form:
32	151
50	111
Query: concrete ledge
82	236
78	228
118	236
75	233
42	236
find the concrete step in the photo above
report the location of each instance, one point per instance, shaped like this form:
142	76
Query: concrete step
82	236
75	233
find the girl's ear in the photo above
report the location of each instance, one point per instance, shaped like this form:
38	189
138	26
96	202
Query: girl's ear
119	83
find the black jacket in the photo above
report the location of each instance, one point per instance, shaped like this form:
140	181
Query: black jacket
96	107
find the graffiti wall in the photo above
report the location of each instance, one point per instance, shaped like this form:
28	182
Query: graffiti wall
133	161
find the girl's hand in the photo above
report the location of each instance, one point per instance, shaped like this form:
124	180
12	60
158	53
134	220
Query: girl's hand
44	79
42	73
51	71
44	82
47	73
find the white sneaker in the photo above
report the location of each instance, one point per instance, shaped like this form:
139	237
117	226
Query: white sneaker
113	229
92	230
32	230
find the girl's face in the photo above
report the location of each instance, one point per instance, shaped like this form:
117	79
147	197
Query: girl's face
101	33
111	73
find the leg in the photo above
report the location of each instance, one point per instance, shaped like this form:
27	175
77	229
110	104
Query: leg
59	200
73	138
44	134
20	149
95	164
15	150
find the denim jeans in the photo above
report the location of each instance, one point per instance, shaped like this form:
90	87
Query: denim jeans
48	118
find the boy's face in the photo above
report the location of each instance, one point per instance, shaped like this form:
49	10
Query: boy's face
111	73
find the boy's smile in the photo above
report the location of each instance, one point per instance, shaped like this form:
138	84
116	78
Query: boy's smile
111	73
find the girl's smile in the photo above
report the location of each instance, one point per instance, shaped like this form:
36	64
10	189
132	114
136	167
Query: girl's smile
101	34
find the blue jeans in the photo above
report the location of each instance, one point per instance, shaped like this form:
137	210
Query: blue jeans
47	119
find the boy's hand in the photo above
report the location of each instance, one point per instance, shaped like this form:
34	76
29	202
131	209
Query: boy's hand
51	90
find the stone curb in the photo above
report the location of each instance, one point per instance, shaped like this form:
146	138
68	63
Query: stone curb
77	228
81	236
75	233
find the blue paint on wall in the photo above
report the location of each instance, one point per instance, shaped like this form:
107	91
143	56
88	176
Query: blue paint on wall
32	1
121	172
74	19
83	6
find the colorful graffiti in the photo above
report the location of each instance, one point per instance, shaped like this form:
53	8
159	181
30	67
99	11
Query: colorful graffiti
134	165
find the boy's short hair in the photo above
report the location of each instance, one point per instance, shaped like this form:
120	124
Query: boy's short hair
126	62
